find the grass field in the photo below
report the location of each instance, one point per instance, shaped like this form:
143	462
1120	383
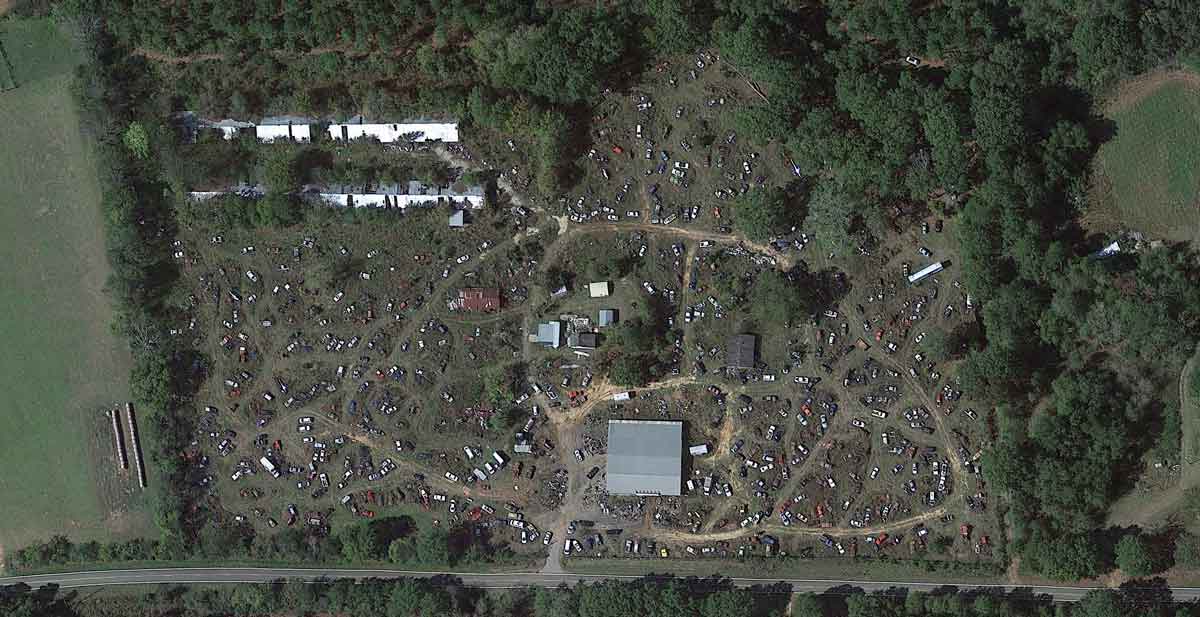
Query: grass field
36	49
1149	173
64	366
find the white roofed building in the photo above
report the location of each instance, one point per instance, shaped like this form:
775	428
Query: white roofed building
415	194
396	132
284	127
272	132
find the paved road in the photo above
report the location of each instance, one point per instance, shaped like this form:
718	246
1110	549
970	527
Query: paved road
487	581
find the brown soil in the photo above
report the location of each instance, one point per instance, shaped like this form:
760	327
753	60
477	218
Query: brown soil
725	439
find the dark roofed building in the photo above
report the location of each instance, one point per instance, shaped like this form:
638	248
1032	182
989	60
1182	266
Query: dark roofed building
645	457
740	352
479	299
588	340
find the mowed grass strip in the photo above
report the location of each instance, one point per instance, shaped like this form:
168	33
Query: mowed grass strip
1152	165
61	364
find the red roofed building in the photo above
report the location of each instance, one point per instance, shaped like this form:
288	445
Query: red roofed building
480	299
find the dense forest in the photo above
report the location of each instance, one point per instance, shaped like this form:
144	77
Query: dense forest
998	127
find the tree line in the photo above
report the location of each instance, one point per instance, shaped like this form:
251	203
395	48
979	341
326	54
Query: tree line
649	597
393	541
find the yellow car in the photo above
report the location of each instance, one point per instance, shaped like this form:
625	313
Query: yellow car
662	552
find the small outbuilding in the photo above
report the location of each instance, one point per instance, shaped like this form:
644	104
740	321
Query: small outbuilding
598	290
549	334
479	299
607	317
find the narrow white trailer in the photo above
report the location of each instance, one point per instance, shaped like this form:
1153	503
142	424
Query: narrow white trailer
927	271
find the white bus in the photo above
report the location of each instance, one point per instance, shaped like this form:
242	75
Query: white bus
929	270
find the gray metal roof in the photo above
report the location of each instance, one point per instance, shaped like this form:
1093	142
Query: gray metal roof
644	457
550	333
739	353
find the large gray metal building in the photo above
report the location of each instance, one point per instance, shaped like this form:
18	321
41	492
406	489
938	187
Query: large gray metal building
645	457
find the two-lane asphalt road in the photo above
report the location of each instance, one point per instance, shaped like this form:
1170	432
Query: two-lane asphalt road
182	576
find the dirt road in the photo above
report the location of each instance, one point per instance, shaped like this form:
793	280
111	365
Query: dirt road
784	260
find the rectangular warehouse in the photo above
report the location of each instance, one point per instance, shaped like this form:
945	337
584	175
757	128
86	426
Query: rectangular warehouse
644	457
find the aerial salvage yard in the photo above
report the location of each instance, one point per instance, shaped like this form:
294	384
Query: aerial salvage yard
615	374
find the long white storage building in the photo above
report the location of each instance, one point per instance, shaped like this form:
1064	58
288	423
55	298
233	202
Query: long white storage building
290	131
390	133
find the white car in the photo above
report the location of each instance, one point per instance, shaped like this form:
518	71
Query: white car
548	538
579	455
462	260
633	214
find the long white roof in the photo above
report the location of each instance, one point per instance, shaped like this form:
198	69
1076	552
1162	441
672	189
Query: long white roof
388	133
932	268
382	200
271	132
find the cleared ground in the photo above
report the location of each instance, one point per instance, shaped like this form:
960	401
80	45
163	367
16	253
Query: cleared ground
1148	175
63	365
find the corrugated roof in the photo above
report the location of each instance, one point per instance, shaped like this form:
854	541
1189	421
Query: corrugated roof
739	353
644	457
479	298
550	333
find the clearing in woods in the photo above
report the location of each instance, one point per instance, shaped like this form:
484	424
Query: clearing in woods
63	364
1175	505
1148	176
